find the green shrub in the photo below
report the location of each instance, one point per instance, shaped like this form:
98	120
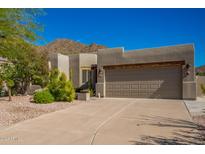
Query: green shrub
90	88
43	97
40	80
91	91
200	73
203	88
54	85
69	92
61	88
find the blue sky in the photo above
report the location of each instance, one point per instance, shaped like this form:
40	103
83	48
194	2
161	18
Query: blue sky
128	28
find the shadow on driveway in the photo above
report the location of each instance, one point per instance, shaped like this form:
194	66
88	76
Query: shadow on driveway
187	132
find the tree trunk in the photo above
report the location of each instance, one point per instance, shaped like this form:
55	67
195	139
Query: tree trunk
24	86
9	91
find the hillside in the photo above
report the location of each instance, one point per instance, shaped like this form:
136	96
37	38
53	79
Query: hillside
67	47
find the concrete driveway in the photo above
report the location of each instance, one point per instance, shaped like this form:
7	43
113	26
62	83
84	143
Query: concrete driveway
109	121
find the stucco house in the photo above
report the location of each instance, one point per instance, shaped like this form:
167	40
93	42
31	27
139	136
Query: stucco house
165	72
80	68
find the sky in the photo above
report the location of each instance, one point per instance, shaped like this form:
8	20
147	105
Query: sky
128	28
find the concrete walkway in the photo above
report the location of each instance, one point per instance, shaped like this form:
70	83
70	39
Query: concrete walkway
107	121
196	107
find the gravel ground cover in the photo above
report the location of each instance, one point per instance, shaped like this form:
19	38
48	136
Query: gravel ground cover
22	108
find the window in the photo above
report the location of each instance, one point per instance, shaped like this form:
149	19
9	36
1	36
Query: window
86	75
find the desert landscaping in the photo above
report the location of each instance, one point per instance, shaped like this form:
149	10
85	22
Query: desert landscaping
23	108
70	92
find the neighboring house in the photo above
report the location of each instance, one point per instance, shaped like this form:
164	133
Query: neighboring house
3	60
166	72
200	70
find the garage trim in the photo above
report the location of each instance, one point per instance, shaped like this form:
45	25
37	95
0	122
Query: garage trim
142	65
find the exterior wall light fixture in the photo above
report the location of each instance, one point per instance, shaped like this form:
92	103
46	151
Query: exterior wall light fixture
100	72
188	66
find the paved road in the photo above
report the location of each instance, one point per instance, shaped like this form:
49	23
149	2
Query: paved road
107	121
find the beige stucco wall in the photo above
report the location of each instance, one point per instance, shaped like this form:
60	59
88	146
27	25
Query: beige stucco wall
63	64
200	80
85	62
74	67
53	61
79	62
59	61
74	63
117	56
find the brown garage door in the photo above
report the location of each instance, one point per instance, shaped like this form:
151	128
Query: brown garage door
160	82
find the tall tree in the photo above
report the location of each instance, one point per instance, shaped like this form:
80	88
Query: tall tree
20	23
17	26
18	30
7	73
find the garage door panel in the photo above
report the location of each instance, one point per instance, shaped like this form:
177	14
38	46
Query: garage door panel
142	74
144	83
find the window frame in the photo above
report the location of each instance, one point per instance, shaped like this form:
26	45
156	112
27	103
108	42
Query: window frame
86	75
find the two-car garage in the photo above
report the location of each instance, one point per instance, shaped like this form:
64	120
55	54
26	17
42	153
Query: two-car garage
136	81
164	73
